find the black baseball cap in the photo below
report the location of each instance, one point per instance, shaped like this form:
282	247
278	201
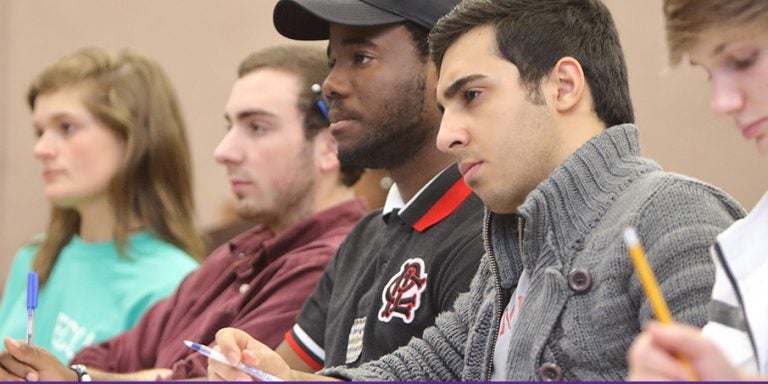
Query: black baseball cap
309	19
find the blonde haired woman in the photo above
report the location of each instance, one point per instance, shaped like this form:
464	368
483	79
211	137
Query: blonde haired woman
116	169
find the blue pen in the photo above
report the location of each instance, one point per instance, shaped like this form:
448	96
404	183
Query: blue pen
320	103
213	354
31	304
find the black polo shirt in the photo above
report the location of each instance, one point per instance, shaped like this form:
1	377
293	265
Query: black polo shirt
392	276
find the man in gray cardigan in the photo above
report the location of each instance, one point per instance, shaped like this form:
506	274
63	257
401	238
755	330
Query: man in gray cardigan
538	115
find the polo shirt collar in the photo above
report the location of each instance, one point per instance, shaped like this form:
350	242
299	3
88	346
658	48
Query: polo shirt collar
435	201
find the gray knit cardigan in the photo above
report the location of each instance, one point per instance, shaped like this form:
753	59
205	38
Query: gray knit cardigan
585	303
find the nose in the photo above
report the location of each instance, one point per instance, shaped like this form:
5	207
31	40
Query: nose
335	85
44	147
727	98
228	152
452	135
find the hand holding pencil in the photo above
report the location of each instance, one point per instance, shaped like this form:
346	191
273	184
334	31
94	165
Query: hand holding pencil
653	355
651	286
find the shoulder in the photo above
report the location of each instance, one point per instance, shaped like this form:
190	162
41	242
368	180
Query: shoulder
148	251
372	221
20	266
315	254
460	233
370	226
27	252
667	194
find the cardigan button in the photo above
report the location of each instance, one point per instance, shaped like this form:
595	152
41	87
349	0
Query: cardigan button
579	280
550	372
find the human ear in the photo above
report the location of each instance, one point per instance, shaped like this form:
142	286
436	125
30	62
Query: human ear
326	150
568	79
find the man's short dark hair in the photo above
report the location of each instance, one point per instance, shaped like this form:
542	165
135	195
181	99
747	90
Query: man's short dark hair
535	34
311	66
419	38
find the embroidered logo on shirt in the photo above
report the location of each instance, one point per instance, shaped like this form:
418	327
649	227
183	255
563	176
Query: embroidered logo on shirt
355	344
402	294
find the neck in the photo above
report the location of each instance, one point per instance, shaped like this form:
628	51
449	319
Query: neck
97	221
417	171
576	128
328	192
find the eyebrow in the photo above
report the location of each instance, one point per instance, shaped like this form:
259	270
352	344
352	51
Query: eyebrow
720	48
248	113
715	51
353	41
357	41
452	89
59	116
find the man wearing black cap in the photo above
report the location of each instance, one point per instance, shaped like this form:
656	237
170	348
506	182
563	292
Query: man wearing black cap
405	264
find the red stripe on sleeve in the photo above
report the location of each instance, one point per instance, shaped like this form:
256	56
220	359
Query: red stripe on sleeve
306	357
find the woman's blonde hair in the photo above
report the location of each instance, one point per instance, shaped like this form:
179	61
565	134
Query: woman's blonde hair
687	19
131	95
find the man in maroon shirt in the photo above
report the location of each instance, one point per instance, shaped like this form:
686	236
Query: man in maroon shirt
282	166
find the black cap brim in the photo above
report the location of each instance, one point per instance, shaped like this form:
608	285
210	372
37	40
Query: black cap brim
310	19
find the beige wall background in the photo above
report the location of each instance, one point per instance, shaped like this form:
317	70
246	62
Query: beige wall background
200	43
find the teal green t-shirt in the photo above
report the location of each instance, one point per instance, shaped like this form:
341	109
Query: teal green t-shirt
93	293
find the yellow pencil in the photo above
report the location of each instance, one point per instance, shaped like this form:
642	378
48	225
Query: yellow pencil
649	283
647	278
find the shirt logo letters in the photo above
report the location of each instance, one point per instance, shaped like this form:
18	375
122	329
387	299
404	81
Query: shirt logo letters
402	294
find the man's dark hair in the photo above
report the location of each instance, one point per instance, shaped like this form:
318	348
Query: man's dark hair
535	34
310	64
419	37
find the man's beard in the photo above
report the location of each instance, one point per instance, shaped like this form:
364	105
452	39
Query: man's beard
398	133
286	203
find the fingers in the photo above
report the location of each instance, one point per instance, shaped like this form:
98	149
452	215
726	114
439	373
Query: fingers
678	338
13	365
249	358
222	372
35	363
223	376
705	357
649	362
21	351
268	361
231	342
7	376
238	347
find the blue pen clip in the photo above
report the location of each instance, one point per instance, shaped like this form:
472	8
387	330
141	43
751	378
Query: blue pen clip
32	286
320	103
